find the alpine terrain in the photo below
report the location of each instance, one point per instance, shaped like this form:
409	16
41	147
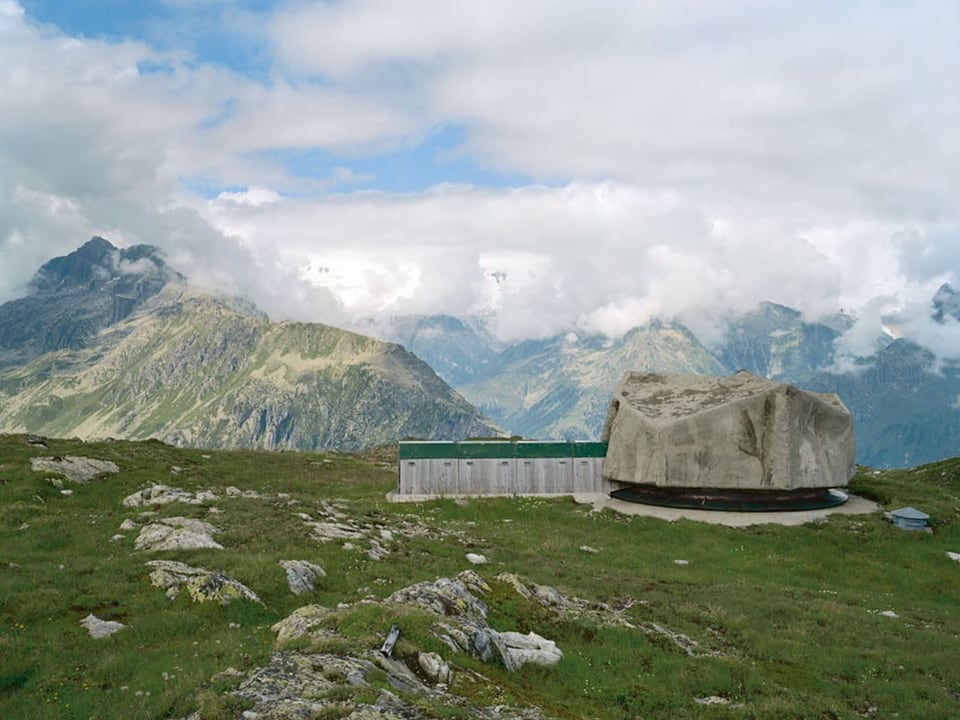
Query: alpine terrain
905	401
114	343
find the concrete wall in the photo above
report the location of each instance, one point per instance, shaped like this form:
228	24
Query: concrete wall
452	469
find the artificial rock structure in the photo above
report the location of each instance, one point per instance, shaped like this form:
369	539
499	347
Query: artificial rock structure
739	433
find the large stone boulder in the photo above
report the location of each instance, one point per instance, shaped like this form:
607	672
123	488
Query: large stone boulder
739	432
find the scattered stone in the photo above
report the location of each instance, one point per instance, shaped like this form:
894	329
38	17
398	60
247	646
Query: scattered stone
377	550
66	493
681	562
128	525
953	556
177	533
465	628
232	491
302	575
56	482
115	538
35	440
588	549
530	648
476	559
327	531
684	642
711	700
80	470
100	628
300	622
164	495
434	667
202	585
888	613
230	673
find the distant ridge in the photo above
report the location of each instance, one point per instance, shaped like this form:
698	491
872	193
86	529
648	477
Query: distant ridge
136	353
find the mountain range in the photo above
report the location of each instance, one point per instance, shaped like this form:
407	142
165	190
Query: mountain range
114	342
905	401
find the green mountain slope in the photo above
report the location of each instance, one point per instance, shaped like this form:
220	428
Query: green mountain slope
192	369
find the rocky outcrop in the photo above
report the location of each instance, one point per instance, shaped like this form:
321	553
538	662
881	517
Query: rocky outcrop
200	584
80	470
164	495
177	533
76	296
302	575
463	622
740	432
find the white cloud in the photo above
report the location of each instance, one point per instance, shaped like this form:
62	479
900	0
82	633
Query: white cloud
695	158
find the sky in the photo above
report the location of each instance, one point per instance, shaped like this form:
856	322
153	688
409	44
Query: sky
558	166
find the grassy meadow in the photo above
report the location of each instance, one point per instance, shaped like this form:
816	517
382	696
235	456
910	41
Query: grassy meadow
848	618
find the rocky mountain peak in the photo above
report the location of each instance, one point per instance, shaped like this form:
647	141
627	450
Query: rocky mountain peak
946	302
98	264
74	297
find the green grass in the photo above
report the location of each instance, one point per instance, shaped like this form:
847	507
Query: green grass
787	620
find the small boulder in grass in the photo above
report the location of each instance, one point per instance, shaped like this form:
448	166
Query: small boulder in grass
100	628
476	559
953	556
302	575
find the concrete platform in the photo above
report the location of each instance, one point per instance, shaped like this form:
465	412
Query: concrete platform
854	506
601	501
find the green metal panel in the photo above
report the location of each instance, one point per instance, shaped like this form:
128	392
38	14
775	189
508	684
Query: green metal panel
589	449
541	449
482	449
426	450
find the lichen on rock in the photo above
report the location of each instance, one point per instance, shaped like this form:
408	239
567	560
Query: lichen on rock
202	585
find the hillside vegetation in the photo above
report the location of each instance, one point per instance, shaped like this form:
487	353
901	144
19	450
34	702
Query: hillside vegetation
847	618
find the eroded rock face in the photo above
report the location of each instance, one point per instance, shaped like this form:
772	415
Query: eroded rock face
739	432
202	585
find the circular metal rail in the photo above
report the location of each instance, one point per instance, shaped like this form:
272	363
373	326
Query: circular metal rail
732	500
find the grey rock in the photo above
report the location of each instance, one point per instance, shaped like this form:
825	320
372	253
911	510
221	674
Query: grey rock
739	432
200	584
302	575
530	648
300	622
164	495
80	470
177	533
465	627
434	667
100	628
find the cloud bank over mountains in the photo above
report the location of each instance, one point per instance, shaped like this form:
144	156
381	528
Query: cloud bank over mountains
570	167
